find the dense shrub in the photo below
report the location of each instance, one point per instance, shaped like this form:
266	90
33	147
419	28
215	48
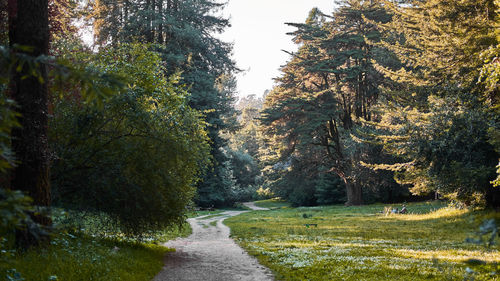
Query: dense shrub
137	157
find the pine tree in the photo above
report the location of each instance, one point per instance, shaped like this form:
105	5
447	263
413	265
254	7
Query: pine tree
327	89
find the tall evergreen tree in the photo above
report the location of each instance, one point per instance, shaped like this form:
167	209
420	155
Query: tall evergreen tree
327	89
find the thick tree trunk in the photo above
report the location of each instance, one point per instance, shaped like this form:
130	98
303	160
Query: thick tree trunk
28	26
354	193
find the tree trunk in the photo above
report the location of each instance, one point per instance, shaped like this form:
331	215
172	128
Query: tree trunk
160	26
28	26
149	19
354	193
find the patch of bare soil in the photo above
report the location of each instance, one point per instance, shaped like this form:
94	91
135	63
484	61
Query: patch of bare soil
210	255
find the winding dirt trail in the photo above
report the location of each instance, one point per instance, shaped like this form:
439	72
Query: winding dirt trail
208	254
252	206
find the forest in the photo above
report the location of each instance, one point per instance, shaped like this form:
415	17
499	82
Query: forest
115	143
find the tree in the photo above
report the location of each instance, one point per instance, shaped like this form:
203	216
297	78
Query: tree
27	63
327	90
183	32
29	34
438	116
243	148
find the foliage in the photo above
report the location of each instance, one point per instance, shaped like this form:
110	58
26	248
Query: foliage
247	138
95	86
496	182
439	117
101	225
17	212
264	193
490	78
7	122
184	34
244	144
218	187
144	148
329	190
449	150
14	208
361	243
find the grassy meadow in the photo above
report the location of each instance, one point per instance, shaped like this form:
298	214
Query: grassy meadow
363	243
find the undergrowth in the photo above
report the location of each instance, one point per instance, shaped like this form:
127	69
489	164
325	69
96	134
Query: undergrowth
86	248
76	257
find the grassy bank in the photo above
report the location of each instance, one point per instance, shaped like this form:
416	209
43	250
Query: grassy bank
83	257
71	257
361	243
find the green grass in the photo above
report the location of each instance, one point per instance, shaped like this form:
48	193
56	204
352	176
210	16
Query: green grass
361	243
173	233
76	258
274	203
88	257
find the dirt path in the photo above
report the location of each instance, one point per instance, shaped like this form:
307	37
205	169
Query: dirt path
210	255
252	206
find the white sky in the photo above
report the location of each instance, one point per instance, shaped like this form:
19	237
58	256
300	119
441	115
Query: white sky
259	34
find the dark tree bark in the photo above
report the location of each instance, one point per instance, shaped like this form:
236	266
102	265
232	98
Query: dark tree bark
28	26
160	26
342	164
354	193
150	7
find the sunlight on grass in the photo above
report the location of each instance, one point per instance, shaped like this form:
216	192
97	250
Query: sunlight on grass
273	203
362	243
449	255
440	213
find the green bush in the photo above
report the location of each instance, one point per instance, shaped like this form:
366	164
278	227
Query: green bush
137	157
